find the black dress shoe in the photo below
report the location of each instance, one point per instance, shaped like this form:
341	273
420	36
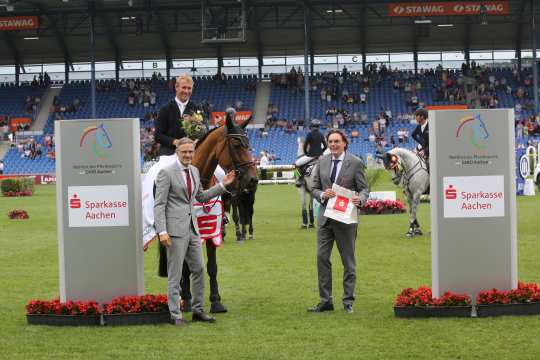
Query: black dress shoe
348	308
320	307
202	316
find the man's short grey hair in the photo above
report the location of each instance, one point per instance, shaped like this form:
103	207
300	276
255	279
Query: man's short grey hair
185	140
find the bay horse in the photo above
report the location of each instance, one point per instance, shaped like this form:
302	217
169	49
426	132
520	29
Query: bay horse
409	171
228	147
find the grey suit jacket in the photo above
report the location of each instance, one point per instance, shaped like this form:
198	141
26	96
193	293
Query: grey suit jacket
351	176
173	212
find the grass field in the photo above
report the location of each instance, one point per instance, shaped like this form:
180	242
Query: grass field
267	284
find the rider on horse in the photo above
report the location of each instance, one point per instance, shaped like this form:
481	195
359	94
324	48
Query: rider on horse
314	146
421	134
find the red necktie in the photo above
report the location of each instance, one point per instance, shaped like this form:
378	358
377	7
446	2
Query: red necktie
188	183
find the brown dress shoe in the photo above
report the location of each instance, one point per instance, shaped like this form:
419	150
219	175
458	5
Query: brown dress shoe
202	316
177	322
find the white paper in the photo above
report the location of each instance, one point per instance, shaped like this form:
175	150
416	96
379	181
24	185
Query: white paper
340	207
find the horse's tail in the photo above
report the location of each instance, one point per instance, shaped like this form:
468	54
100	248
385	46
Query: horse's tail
162	267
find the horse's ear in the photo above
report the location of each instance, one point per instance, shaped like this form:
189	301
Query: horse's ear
229	122
245	123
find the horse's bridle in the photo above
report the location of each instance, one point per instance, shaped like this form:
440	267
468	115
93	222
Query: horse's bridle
239	167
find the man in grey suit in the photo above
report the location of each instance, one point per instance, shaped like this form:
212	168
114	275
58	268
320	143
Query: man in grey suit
177	188
345	170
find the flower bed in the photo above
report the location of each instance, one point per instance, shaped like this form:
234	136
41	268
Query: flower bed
379	207
124	310
420	303
137	310
71	313
17	187
525	300
18	214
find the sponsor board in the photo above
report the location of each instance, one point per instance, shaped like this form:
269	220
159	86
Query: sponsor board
452	8
473	196
19	23
98	206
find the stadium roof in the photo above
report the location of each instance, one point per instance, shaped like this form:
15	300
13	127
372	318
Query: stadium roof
171	29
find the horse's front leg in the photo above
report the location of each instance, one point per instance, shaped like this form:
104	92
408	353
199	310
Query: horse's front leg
412	215
211	268
236	220
414	226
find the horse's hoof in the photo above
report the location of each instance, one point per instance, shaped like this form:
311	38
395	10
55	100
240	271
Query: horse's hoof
311	225
239	241
418	232
217	307
250	236
409	234
303	226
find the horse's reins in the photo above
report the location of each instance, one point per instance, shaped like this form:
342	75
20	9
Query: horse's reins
406	178
238	166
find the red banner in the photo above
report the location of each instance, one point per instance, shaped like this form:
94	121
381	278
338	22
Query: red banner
446	107
14	121
218	117
448	8
19	23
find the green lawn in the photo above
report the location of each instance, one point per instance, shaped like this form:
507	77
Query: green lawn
267	284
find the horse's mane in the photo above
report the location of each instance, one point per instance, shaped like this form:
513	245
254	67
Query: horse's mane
399	151
205	136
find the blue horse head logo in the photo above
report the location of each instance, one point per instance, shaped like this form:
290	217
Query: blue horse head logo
473	128
101	141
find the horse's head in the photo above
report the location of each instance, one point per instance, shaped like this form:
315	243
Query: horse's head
236	154
392	162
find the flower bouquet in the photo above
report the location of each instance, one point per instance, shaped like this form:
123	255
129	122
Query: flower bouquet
193	125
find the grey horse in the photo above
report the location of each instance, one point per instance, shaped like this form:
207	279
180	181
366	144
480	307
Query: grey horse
308	219
409	171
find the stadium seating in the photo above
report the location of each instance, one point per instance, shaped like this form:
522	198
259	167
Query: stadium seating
382	96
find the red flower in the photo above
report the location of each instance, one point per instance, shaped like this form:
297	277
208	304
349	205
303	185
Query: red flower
423	297
58	308
137	304
523	294
380	206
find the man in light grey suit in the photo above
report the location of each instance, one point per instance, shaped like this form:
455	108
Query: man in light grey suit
345	170
177	188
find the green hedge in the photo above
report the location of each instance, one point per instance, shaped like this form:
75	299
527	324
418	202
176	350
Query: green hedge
17	185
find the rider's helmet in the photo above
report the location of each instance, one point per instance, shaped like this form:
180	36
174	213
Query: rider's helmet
315	123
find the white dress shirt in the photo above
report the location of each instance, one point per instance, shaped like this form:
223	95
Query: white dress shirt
339	164
181	105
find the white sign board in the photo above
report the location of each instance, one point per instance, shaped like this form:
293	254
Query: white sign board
473	196
95	206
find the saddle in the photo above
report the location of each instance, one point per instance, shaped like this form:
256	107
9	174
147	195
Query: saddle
306	169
